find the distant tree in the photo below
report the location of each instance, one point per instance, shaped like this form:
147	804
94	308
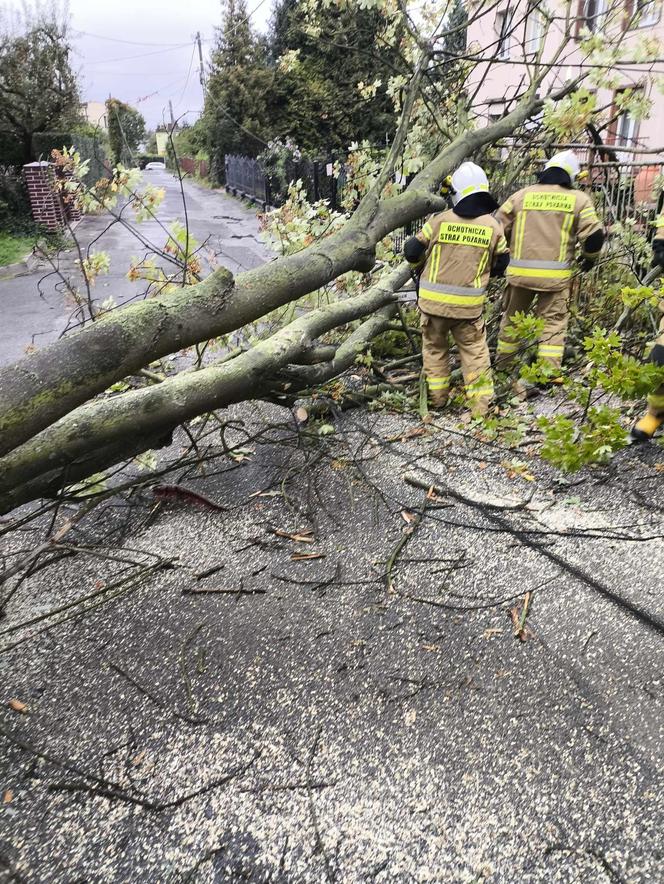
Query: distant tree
239	90
151	142
38	88
126	130
331	79
456	39
191	139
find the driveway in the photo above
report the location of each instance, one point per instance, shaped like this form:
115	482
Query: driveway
34	305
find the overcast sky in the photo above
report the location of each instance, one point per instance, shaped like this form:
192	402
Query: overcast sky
143	52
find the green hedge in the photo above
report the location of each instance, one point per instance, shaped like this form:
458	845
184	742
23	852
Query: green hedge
89	148
11	149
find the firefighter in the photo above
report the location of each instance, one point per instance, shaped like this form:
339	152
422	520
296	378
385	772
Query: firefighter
458	250
543	223
645	428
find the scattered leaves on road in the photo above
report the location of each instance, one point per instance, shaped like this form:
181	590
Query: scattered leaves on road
18	706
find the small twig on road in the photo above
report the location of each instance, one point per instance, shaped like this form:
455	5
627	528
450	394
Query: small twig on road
193	705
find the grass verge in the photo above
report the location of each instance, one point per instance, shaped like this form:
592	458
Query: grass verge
13	248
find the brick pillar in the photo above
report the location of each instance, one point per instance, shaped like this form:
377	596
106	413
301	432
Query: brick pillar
45	202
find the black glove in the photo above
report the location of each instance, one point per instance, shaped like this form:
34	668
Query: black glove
587	264
657	253
500	265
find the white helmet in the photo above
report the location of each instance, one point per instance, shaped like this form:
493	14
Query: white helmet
566	160
468	178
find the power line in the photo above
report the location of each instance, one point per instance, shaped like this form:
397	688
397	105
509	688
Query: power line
141	55
144	74
117	40
186	83
159	91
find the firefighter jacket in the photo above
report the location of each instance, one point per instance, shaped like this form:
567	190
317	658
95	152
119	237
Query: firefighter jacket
543	223
659	233
458	260
658	251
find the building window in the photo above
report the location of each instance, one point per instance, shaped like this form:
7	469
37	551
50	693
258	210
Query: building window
534	32
592	15
626	130
644	13
496	111
503	30
623	132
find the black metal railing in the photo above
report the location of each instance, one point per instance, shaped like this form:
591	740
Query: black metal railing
246	177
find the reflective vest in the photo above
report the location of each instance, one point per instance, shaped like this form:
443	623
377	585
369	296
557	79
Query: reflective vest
543	224
659	224
459	257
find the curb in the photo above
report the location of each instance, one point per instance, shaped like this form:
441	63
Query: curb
18	268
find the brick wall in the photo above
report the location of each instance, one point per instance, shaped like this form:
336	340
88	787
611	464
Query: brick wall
45	202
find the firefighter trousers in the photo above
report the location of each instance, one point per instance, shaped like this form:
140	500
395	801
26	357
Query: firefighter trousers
470	338
656	398
552	307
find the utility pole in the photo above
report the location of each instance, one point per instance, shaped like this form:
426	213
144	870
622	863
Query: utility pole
170	107
201	70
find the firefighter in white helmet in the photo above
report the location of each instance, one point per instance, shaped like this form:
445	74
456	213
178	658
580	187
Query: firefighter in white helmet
458	250
543	223
646	427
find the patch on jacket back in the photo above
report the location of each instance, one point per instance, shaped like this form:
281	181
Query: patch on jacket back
465	234
549	202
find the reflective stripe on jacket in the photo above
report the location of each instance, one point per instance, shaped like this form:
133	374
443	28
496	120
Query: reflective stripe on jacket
459	257
543	224
659	224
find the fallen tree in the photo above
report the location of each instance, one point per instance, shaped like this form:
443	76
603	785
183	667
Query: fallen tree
54	431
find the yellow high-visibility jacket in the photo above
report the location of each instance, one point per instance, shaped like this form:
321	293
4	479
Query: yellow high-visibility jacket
543	223
659	224
457	264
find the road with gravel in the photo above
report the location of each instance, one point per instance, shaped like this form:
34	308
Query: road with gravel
388	652
326	679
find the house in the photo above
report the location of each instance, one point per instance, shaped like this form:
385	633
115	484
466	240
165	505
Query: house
94	112
510	39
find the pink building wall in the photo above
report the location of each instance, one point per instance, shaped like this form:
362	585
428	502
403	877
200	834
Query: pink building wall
507	76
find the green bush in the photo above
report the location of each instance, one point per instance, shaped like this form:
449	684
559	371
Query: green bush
12	151
15	215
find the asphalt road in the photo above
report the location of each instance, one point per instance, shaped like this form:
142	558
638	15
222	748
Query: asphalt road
254	715
34	306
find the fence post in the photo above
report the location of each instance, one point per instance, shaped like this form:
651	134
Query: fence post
268	193
333	191
316	182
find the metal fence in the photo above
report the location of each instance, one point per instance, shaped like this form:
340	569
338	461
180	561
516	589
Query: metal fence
246	177
626	186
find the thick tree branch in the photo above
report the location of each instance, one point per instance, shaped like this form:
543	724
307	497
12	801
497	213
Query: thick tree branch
154	411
